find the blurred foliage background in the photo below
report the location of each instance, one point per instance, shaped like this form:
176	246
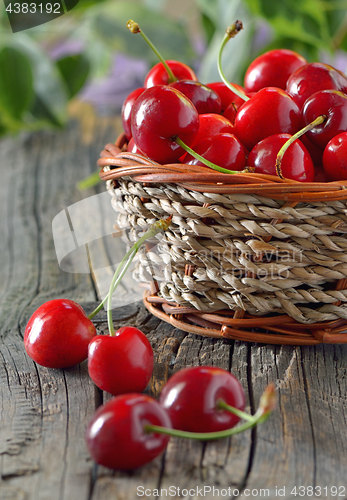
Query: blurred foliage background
89	55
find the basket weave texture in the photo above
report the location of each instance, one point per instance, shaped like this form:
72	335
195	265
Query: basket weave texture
248	256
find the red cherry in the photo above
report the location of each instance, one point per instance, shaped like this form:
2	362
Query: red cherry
296	163
272	69
204	99
116	437
335	158
212	124
158	74
121	363
126	110
270	111
58	333
333	105
132	148
230	113
319	174
316	153
191	398
313	77
159	115
225	150
227	96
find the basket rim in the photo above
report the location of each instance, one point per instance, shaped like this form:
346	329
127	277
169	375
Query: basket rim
116	163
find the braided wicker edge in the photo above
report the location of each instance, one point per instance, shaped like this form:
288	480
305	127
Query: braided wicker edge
116	162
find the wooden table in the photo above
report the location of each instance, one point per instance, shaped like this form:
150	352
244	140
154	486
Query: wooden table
44	412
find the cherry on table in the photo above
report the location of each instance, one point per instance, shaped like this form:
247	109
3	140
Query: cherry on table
272	69
159	76
121	363
116	438
191	397
296	163
160	114
58	333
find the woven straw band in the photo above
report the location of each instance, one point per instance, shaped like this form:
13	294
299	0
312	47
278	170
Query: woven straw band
258	245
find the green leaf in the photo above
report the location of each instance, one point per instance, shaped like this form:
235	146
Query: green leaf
49	87
302	20
74	70
16	82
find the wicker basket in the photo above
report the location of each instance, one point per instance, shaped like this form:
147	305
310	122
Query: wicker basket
251	257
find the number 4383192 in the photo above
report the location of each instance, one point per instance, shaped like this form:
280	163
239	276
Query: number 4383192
33	8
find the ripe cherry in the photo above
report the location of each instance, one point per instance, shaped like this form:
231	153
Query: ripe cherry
212	124
159	115
121	363
313	77
224	150
296	163
331	104
192	397
227	96
335	158
132	148
204	99
58	333
126	110
116	437
270	111
272	69
159	76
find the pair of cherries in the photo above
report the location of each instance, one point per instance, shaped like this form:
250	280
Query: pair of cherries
202	403
59	335
284	97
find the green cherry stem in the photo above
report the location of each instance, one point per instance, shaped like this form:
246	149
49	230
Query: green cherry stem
203	160
230	32
318	121
222	405
135	28
266	406
157	227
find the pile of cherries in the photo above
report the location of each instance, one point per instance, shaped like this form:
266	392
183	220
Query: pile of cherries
288	110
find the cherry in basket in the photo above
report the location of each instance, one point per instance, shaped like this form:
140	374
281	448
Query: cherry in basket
272	69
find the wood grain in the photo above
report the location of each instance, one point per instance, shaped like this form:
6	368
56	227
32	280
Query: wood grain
44	413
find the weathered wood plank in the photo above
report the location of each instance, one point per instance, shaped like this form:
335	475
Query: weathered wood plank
44	412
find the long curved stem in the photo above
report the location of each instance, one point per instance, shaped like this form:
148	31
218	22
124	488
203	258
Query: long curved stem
202	159
157	227
135	28
231	32
266	406
318	121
